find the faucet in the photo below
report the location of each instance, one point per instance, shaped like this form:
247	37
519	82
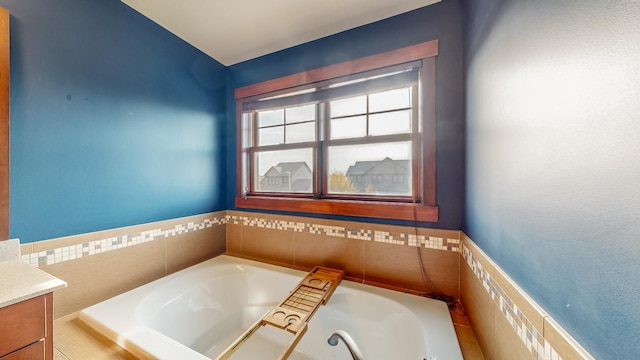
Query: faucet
356	354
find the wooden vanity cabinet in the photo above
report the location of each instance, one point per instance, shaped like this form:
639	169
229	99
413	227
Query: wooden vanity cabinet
26	329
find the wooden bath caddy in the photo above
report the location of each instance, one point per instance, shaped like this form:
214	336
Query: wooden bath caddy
296	310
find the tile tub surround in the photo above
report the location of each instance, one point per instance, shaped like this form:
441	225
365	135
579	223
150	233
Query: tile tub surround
376	254
103	264
506	321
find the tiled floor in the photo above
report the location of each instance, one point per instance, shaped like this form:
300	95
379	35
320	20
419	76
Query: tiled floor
74	340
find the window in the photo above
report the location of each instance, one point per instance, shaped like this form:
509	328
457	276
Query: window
334	140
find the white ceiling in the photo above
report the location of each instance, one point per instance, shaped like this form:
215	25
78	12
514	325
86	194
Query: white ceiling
238	30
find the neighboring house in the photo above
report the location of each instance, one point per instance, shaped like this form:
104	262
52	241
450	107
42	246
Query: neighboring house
383	176
287	176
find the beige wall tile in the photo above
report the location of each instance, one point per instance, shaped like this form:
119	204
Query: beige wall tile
506	343
268	244
194	247
137	229
443	269
71	240
26	248
234	239
166	224
443	233
255	215
480	308
534	313
234	213
341	223
211	215
296	219
399	265
562	342
95	278
338	253
478	254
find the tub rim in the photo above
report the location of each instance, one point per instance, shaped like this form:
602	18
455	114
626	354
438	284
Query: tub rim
136	336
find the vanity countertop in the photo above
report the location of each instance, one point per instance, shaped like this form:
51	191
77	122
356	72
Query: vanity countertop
20	281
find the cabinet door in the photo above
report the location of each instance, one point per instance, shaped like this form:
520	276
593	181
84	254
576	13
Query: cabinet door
22	324
31	352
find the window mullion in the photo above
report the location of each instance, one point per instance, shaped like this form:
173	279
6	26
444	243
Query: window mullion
284	127
367	117
324	132
355	146
253	143
370	140
416	167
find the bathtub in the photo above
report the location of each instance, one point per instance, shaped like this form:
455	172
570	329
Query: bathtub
197	312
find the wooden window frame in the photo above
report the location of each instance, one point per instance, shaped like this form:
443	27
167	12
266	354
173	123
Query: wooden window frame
426	210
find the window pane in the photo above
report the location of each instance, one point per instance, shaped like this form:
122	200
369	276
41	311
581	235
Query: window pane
271	136
301	132
270	117
349	106
390	100
395	122
350	127
284	171
373	169
301	113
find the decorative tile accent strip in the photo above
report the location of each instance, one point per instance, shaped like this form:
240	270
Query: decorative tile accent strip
358	233
530	336
72	252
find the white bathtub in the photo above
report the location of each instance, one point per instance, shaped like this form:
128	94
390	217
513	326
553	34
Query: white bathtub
196	313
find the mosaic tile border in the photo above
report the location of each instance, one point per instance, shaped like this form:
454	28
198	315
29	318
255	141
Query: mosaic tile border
72	252
76	251
358	233
530	336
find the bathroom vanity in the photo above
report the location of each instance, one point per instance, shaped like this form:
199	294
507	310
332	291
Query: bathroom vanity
26	311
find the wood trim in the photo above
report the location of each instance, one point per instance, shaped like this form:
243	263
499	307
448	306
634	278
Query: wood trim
381	210
240	151
394	57
48	326
4	123
428	102
425	211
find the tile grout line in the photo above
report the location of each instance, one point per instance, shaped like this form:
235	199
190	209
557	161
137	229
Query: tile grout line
531	337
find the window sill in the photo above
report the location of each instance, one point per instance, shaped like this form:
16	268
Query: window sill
370	209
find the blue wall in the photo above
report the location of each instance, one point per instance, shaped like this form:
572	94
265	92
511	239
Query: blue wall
114	121
440	21
553	158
